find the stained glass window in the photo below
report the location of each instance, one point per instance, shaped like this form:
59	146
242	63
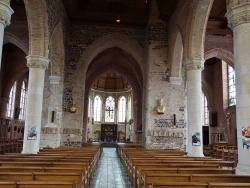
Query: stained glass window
97	109
110	109
22	101
90	108
129	115
122	109
231	86
10	106
205	110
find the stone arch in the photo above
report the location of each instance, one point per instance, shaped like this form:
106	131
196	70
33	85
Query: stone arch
37	17
57	51
177	55
112	40
126	66
222	54
196	28
10	38
208	93
19	75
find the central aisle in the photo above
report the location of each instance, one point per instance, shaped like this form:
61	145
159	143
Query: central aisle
110	173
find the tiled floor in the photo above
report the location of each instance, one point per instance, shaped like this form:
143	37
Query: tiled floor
110	173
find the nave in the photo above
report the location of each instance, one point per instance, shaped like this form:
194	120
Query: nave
110	172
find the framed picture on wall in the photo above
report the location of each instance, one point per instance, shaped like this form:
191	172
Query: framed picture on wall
196	139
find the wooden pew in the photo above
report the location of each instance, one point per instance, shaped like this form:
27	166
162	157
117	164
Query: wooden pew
25	169
149	179
132	166
200	185
8	184
157	171
76	178
45	184
132	171
136	173
64	160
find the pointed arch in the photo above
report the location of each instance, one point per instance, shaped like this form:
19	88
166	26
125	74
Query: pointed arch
222	54
177	55
109	41
10	38
37	17
122	109
97	108
57	51
208	92
199	11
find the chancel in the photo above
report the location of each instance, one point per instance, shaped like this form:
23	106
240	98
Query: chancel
94	85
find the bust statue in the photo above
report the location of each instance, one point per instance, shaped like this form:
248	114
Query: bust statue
72	107
160	108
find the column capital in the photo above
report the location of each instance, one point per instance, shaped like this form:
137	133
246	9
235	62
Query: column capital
194	64
35	61
54	80
175	80
5	12
238	12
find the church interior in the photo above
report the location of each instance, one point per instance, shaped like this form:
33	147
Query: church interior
159	78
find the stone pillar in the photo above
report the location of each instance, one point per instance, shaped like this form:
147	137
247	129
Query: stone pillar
37	66
5	15
194	120
238	15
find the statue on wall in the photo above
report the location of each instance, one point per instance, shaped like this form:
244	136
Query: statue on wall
228	116
72	107
160	108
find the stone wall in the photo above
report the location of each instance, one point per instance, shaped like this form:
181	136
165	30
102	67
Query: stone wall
80	38
160	131
51	129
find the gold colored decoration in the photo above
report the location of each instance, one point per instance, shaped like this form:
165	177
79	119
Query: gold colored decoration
72	107
160	108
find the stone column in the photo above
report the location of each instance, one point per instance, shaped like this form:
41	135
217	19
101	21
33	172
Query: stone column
37	66
238	15
5	15
194	120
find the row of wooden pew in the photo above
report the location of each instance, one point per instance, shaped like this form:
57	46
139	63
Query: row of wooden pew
53	168
173	168
224	152
11	146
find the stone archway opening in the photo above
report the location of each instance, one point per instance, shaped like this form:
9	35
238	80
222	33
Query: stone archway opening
114	77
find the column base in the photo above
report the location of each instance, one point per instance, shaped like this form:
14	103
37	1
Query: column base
243	169
29	152
195	154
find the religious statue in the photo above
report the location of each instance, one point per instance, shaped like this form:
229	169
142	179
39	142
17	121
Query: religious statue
160	108
228	116
72	107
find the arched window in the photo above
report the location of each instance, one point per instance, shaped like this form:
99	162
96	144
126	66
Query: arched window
90	108
10	106
231	86
22	101
122	109
97	108
129	115
205	111
109	109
